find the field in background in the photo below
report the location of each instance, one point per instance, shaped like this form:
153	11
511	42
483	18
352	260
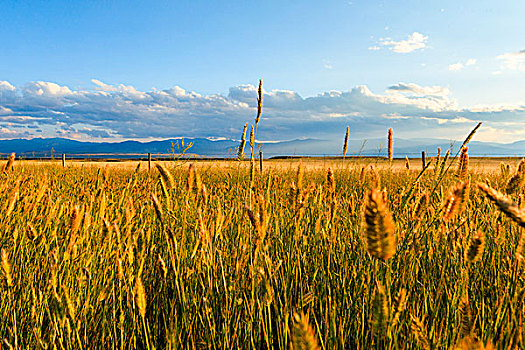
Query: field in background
97	256
478	164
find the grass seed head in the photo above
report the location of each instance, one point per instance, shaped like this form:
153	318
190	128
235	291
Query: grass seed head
390	145
140	296
345	143
476	247
6	267
504	203
303	335
240	151
166	175
456	201
379	227
463	163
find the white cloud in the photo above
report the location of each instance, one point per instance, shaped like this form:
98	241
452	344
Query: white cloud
420	90
103	87
123	112
456	67
374	48
415	41
513	60
459	65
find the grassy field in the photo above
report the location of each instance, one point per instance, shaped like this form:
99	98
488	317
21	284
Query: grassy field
364	255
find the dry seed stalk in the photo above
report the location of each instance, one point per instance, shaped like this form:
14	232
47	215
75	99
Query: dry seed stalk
467	324
190	179
476	247
157	206
166	175
504	203
390	145
517	180
380	313
379	227
463	164
9	165
345	143
400	306
240	152
456	201
140	297
303	335
330	180
420	332
6	267
74	220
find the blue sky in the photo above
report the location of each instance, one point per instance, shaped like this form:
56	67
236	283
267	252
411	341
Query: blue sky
112	70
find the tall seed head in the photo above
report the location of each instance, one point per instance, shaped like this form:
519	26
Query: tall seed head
400	305
303	335
240	152
158	207
166	175
457	200
345	143
504	203
463	163
140	296
467	324
330	180
6	267
252	140
75	220
259	102
476	247
190	179
10	162
390	145
420	332
517	180
379	227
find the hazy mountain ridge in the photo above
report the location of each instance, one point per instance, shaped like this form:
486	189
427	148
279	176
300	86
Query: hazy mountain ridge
40	147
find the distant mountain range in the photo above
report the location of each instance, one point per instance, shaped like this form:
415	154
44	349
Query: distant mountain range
202	147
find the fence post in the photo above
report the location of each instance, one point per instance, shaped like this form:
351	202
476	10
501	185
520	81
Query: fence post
261	161
149	161
423	160
63	160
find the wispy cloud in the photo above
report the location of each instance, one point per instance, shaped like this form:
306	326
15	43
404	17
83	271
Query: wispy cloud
455	67
122	112
513	60
415	41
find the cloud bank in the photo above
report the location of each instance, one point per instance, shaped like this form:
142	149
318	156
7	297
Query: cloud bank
118	112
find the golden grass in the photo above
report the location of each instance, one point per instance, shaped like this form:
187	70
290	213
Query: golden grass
321	253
